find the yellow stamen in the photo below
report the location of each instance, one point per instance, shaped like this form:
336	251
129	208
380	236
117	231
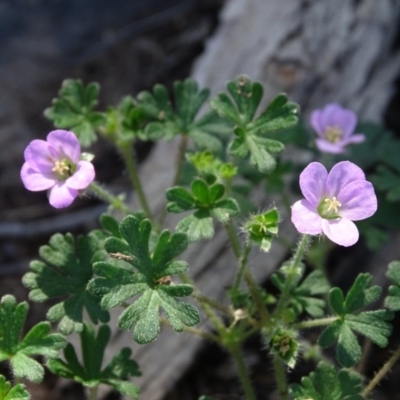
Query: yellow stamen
333	134
61	168
333	204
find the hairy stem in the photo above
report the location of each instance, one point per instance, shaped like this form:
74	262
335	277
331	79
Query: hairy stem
291	274
105	195
280	376
180	158
92	393
127	153
213	303
381	373
195	331
255	293
242	267
236	353
233	238
315	322
367	346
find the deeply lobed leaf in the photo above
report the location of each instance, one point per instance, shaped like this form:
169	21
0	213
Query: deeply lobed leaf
326	383
372	324
73	109
167	121
146	274
38	341
250	131
17	392
207	200
65	272
90	372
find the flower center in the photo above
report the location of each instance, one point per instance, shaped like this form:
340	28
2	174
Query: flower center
62	169
333	134
329	208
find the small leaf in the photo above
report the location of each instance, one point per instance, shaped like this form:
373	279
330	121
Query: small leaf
38	341
152	280
90	373
372	324
17	392
73	109
250	131
168	122
207	201
65	272
326	383
303	293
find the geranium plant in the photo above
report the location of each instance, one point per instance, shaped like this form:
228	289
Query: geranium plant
133	263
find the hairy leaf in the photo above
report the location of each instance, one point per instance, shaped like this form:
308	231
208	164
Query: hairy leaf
250	131
64	273
147	274
168	121
73	109
17	392
207	201
326	383
372	324
90	373
38	341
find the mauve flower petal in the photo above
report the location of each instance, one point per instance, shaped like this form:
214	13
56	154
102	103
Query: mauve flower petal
328	113
83	176
312	182
316	123
305	218
358	138
36	181
38	156
341	231
346	120
358	200
65	143
341	175
328	147
61	195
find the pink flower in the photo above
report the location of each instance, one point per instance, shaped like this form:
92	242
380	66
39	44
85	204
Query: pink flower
335	127
332	201
55	165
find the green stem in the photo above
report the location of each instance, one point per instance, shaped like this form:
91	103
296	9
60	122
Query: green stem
315	322
93	393
291	274
180	158
195	331
242	267
233	238
236	353
127	153
280	376
103	194
255	293
381	373
214	304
